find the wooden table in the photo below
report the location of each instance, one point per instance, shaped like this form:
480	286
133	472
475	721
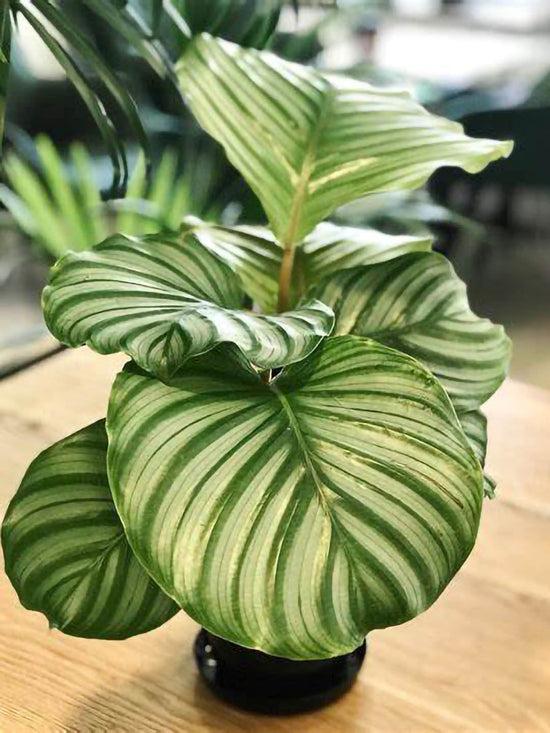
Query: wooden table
479	660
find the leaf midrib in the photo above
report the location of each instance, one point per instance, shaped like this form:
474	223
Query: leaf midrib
307	168
82	573
317	482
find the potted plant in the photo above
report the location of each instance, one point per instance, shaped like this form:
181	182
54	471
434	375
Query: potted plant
293	454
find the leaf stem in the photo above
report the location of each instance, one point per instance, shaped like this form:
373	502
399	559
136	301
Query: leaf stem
285	278
287	264
294	233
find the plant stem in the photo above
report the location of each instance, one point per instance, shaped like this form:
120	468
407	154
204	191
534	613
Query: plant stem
285	278
287	264
290	240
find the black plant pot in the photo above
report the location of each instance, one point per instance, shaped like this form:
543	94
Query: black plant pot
260	682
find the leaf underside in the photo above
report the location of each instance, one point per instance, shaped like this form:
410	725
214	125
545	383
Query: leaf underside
297	517
474	424
65	549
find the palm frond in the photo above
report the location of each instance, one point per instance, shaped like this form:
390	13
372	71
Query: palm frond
250	23
61	207
5	44
88	71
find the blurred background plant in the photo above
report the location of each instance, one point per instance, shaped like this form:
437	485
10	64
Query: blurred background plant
61	208
97	138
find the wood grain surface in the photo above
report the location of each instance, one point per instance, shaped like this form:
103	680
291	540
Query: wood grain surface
478	660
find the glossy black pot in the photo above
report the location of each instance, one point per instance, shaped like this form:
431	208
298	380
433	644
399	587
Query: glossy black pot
263	683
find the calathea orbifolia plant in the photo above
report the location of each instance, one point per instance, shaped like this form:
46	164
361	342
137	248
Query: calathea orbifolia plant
292	474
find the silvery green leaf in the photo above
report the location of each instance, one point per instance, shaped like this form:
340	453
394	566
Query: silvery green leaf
331	248
255	255
165	299
307	143
65	549
418	305
297	516
251	252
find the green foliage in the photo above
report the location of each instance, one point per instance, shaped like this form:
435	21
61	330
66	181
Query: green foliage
151	29
65	549
61	216
256	256
410	212
75	53
338	499
418	305
289	487
165	300
281	123
5	46
247	22
474	424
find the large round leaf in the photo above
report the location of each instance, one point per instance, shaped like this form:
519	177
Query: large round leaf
295	517
308	143
65	549
162	300
418	305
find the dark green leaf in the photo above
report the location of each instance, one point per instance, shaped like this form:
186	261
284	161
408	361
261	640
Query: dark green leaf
5	53
92	101
65	549
247	22
86	51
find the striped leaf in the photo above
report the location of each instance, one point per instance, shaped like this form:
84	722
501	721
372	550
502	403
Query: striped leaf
297	516
65	549
489	486
474	424
330	248
418	305
308	143
256	256
162	300
251	252
247	22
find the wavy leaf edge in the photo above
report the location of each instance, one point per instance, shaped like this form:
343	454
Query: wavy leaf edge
281	644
